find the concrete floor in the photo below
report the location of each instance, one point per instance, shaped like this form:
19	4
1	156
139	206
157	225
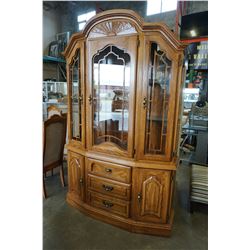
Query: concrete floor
65	228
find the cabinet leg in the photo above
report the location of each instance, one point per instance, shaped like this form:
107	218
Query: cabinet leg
191	207
62	176
44	190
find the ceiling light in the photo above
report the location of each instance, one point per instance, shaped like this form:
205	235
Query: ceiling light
193	32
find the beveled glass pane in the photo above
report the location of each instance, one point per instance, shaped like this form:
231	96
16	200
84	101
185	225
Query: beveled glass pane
75	98
159	76
111	80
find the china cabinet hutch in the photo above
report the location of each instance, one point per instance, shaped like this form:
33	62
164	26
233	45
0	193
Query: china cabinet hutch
124	84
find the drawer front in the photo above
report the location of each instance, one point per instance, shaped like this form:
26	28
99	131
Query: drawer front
104	202
109	170
109	187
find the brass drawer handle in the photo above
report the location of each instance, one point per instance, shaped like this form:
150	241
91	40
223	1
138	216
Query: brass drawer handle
107	188
81	180
108	170
107	204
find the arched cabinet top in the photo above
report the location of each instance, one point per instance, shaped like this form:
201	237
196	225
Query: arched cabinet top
119	22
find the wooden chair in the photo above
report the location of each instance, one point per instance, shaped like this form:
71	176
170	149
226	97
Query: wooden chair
53	110
54	135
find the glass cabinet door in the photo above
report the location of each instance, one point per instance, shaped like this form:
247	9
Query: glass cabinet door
156	102
111	95
76	97
111	80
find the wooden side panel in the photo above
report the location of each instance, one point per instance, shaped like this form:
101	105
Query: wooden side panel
151	195
76	175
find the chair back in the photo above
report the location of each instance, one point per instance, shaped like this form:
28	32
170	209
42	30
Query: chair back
54	141
53	110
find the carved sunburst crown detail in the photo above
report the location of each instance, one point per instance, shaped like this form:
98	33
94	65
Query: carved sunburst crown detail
112	28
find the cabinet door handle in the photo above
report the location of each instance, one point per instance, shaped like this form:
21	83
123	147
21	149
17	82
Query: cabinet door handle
139	197
81	99
107	188
145	102
90	99
108	170
107	204
81	180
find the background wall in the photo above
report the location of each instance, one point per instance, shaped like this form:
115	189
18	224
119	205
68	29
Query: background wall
51	26
192	7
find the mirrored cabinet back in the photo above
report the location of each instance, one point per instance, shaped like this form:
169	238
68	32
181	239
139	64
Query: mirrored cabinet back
124	100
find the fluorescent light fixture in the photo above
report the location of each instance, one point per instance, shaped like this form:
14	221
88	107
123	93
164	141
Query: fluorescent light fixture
168	5
81	18
159	6
153	7
193	33
89	15
81	25
85	16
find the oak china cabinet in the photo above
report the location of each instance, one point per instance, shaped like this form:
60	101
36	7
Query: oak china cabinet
124	84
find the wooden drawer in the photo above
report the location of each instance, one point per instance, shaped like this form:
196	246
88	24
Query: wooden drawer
109	204
109	187
109	170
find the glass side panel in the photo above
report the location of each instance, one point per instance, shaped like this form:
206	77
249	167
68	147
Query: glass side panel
111	80
76	97
157	101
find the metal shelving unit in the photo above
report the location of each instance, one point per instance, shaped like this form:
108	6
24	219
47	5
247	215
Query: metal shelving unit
55	92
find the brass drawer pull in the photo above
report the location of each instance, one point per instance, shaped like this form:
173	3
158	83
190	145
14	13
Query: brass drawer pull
107	188
81	180
108	170
107	204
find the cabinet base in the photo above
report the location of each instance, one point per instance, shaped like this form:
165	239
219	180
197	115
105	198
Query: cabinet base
124	223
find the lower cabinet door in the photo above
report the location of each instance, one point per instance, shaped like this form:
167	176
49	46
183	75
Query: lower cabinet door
151	195
76	175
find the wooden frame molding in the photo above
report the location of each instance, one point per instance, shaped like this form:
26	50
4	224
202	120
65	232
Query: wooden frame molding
130	16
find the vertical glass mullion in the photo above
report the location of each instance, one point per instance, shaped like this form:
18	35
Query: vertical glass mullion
75	73
157	94
151	100
79	99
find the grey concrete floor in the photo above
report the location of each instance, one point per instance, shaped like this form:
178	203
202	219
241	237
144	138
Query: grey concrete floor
65	228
